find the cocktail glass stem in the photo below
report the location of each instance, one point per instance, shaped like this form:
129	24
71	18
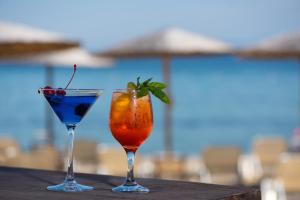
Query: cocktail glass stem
70	172
130	184
130	174
69	184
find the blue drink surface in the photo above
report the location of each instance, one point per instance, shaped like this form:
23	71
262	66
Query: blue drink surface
70	109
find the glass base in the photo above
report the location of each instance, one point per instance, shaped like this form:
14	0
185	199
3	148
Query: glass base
69	186
131	188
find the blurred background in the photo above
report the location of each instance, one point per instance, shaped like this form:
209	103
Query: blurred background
232	67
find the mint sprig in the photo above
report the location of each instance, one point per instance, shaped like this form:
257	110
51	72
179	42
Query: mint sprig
156	88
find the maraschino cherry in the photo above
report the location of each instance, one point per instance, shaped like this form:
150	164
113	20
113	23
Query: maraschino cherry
61	92
48	90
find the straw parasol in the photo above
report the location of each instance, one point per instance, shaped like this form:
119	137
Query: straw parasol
280	46
166	44
17	39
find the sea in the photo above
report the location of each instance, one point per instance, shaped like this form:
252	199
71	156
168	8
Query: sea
216	101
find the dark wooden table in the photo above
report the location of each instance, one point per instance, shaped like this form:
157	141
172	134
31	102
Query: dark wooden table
18	183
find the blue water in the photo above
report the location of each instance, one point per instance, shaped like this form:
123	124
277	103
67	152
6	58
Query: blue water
223	100
70	109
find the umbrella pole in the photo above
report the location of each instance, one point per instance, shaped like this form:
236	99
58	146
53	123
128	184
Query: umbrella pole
168	145
49	115
299	93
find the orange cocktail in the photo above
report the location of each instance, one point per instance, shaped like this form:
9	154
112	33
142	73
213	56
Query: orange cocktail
131	122
131	119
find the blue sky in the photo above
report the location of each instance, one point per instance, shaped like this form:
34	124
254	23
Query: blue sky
100	24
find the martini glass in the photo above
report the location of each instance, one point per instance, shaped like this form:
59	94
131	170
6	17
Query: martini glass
130	122
70	107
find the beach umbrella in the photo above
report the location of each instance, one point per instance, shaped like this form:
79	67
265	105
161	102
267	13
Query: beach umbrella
18	39
283	46
166	44
62	58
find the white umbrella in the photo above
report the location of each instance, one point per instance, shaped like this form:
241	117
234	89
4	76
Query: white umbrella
18	39
165	44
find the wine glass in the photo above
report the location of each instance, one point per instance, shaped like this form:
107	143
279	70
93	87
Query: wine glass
130	122
70	106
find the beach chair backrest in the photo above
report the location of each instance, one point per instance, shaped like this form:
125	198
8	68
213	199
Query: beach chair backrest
8	148
221	159
269	150
289	173
44	157
169	167
85	151
112	161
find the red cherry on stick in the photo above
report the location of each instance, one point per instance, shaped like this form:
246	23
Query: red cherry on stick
48	90
60	92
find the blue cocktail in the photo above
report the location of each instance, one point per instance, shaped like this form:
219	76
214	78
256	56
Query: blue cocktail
70	106
70	109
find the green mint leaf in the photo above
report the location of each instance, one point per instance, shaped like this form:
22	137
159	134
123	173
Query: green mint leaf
142	92
145	83
131	85
160	94
157	85
143	89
